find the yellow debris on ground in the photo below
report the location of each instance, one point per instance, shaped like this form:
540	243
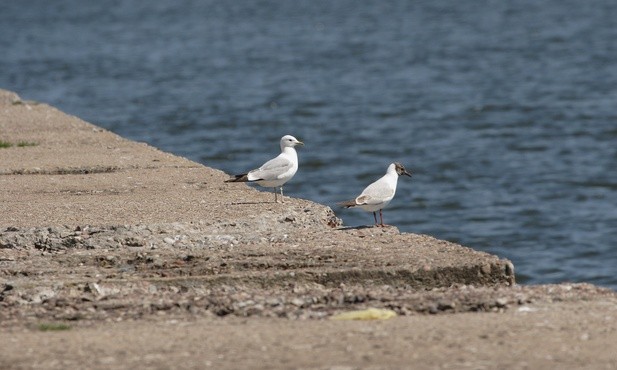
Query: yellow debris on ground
368	314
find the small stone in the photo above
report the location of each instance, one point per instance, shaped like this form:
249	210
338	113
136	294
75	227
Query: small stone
526	309
6	288
501	302
297	302
273	301
245	303
133	241
188	258
169	240
158	263
94	288
446	305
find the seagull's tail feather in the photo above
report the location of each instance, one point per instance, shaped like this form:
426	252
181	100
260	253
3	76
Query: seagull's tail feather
239	178
348	203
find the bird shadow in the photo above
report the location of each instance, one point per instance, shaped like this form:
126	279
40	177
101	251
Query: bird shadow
361	227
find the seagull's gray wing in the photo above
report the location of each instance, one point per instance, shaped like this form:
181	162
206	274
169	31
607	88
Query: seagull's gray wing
271	170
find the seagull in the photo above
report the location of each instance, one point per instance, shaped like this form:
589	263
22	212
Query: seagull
378	195
276	171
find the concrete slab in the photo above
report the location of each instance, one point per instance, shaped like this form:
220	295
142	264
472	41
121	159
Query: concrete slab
80	177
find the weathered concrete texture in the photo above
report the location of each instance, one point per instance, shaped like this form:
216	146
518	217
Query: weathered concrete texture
87	183
171	263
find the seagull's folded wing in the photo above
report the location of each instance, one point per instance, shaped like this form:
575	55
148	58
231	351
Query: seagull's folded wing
271	170
375	193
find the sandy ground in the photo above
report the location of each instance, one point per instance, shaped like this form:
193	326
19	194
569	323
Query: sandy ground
115	255
554	336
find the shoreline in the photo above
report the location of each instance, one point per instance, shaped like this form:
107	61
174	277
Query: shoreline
98	229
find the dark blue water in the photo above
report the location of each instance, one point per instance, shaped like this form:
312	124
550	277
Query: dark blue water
506	111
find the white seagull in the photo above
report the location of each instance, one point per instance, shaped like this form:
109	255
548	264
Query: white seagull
276	171
378	195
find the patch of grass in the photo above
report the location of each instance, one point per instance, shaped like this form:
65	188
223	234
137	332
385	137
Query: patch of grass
26	102
51	326
21	144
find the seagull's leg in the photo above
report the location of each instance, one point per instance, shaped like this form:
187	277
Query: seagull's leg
282	198
381	218
375	216
275	195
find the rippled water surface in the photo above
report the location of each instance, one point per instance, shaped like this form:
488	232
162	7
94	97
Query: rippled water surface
506	112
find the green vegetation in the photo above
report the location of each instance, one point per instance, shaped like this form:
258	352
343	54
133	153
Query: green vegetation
21	144
53	327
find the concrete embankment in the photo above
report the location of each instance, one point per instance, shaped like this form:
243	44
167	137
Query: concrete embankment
96	228
134	213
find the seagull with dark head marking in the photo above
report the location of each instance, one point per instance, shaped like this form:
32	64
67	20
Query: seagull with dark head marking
277	171
378	195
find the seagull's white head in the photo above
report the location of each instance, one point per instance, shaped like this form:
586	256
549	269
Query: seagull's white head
289	141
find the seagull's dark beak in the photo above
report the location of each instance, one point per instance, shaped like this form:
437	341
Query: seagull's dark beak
299	143
407	173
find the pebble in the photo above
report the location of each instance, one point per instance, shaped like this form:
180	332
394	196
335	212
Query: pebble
446	305
526	309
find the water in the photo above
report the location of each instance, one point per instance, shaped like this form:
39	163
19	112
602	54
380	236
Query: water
505	111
